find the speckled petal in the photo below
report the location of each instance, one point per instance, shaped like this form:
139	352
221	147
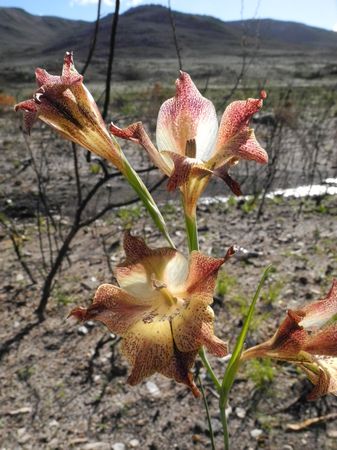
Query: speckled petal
149	348
322	372
30	113
323	342
234	137
180	369
136	133
114	307
193	328
184	170
187	116
203	272
287	342
317	314
64	103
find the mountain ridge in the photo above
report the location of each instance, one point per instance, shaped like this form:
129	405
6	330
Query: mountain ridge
145	32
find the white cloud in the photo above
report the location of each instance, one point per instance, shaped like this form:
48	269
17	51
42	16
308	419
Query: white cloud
90	2
133	3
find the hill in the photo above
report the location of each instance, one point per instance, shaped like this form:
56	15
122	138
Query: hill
145	32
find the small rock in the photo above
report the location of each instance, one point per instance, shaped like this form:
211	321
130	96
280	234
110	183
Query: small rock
228	411
118	446
90	324
240	412
287	447
256	433
332	434
134	443
97	446
21	431
153	388
54	444
24	438
82	330
19	277
53	423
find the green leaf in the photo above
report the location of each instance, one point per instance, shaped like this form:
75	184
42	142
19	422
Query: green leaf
234	362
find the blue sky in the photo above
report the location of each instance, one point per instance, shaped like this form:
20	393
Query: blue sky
320	13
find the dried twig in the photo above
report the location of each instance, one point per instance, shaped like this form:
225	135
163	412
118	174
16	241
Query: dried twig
111	58
94	39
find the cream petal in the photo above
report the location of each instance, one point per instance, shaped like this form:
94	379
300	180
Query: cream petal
175	273
149	348
187	116
136	280
145	267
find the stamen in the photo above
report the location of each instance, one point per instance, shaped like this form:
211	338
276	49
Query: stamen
156	284
191	148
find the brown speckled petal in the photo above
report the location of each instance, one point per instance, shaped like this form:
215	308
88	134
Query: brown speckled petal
193	328
115	308
180	369
149	348
203	272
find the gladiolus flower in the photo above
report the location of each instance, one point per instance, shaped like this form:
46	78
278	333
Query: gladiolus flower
190	147
64	103
308	338
161	309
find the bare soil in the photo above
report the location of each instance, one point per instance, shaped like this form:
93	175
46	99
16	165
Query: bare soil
64	386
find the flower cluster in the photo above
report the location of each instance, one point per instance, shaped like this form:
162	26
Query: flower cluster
161	306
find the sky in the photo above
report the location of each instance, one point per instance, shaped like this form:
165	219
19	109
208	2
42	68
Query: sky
319	13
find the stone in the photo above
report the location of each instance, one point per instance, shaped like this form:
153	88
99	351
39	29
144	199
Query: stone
256	433
240	412
82	330
97	446
118	446
152	388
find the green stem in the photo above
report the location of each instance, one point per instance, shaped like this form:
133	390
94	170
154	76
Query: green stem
193	244
192	232
207	413
224	426
209	369
233	364
145	196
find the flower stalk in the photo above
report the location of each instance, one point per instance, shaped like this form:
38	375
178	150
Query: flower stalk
234	362
139	187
